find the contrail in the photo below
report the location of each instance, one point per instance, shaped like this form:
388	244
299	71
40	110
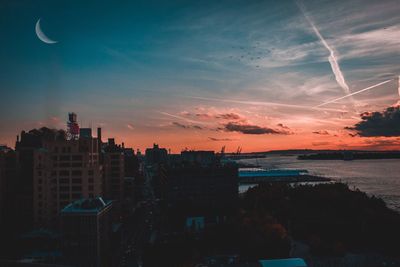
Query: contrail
332	57
357	92
265	104
182	118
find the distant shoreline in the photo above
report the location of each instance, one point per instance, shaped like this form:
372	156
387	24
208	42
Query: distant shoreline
348	155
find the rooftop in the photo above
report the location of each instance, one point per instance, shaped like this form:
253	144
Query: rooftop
292	262
87	205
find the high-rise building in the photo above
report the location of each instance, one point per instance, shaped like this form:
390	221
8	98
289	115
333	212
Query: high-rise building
56	170
86	227
114	171
8	169
156	155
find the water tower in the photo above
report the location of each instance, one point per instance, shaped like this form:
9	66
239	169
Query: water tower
72	127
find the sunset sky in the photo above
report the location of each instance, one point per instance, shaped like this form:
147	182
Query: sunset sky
204	74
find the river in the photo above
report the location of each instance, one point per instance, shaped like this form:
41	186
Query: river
380	178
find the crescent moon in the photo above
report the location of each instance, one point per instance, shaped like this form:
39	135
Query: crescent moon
40	34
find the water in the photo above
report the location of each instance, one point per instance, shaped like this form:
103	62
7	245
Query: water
380	178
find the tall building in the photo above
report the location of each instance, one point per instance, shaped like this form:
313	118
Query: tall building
86	227
8	171
57	169
114	171
156	155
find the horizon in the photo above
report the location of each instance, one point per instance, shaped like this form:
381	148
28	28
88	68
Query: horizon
259	75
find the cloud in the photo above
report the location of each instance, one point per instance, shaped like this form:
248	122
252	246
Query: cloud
220	139
251	129
374	124
382	142
203	116
321	132
320	143
229	116
186	126
130	126
283	126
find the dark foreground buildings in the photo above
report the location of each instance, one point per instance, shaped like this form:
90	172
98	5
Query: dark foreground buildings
86	229
196	189
50	169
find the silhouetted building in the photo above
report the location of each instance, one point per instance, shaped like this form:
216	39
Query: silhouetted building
132	164
8	172
86	226
156	155
215	186
114	171
203	158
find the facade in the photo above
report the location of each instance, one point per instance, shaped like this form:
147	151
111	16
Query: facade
54	171
201	186
86	228
8	173
114	171
156	155
203	158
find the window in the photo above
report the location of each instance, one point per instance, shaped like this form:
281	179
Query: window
77	180
64	188
39	173
76	188
90	187
64	173
56	149
76	173
63	150
54	158
77	157
64	158
91	180
63	204
114	157
90	172
64	180
76	196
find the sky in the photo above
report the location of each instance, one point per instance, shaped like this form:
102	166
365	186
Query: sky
206	74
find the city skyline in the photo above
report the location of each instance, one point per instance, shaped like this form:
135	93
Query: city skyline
183	74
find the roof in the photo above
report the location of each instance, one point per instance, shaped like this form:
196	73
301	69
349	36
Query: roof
292	262
87	205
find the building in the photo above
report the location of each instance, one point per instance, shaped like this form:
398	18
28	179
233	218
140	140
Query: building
203	158
86	227
114	171
211	186
56	170
156	155
8	174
